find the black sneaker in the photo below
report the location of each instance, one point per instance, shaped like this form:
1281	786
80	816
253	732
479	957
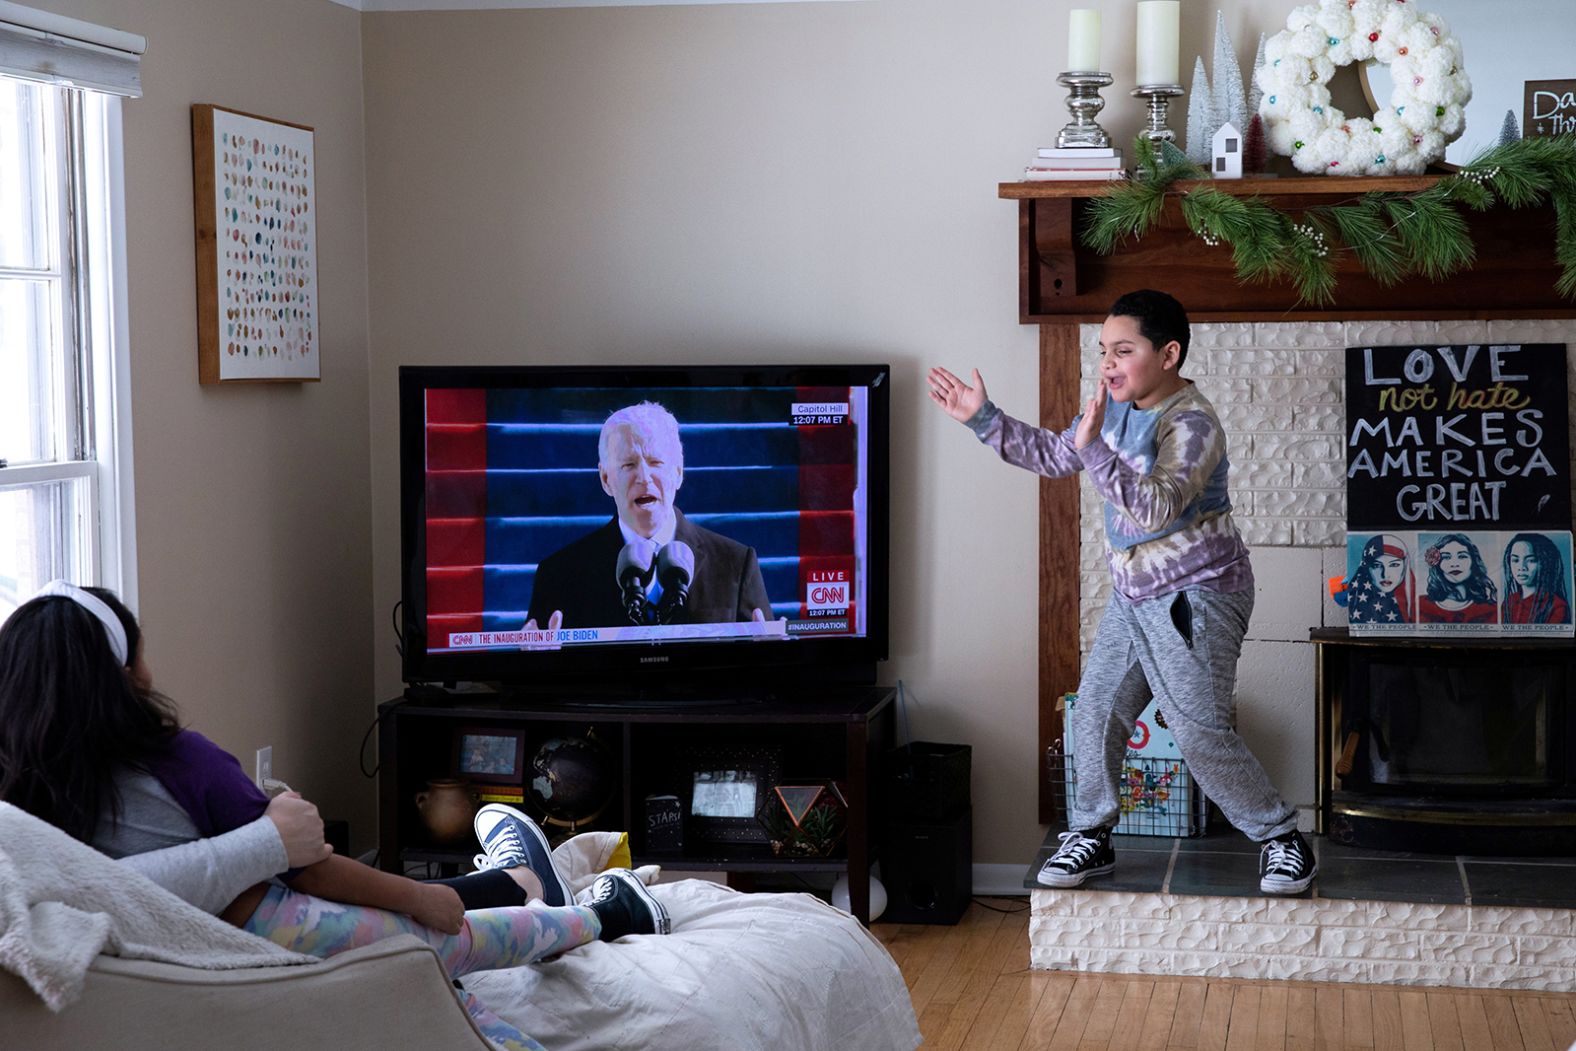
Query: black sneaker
1286	864
1081	855
625	906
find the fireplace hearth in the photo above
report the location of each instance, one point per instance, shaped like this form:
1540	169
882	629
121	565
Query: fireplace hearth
1458	746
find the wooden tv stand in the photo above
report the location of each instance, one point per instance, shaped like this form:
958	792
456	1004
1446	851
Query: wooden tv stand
834	732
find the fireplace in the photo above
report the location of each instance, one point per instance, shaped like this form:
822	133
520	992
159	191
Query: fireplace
1460	746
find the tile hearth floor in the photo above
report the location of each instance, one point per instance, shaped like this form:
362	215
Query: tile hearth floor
1225	864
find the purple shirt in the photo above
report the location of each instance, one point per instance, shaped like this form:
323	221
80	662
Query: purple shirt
208	783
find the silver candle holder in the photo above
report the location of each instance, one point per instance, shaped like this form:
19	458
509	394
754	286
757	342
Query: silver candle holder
1159	97
1083	102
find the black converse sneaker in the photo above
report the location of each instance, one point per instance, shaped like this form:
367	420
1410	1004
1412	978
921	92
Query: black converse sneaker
625	906
1081	855
1286	865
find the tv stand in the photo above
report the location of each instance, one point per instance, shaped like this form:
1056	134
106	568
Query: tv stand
840	733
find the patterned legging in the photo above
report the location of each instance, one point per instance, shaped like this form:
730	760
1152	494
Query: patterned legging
489	939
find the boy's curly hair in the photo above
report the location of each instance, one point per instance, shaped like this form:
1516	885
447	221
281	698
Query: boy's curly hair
1160	318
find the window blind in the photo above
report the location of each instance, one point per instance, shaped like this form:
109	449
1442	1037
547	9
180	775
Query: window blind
39	45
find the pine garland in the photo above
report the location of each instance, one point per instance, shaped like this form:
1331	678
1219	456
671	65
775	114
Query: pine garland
1392	235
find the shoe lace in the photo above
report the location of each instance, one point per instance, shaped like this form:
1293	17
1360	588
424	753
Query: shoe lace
1076	848
601	890
506	845
1282	856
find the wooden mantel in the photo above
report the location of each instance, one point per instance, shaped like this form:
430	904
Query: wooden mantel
1062	283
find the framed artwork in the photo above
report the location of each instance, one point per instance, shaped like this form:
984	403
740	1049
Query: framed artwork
727	790
256	215
490	755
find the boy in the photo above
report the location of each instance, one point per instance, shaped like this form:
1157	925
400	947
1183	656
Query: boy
1182	585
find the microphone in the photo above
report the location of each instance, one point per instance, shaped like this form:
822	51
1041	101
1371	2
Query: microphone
633	573
675	571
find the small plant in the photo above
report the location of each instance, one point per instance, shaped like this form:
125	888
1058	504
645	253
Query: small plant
817	834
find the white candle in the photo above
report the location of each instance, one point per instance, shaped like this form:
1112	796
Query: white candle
1083	41
1157	41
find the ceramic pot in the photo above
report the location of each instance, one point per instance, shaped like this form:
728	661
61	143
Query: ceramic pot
447	809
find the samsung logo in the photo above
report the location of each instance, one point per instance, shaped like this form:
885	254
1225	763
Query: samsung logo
653	660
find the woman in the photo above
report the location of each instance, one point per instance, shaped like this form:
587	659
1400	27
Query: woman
1380	589
1534	581
1460	591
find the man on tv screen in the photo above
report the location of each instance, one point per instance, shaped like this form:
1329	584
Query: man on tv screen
648	564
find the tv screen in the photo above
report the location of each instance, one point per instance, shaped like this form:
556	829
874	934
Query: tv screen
610	527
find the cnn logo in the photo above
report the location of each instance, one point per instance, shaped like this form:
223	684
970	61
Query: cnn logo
826	597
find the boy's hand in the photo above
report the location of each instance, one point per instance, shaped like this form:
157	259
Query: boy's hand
956	398
1093	418
438	907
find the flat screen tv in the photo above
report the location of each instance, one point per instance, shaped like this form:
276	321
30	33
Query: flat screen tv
619	529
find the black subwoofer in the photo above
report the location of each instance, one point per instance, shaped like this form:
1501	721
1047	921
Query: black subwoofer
928	869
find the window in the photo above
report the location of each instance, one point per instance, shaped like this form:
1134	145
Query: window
64	438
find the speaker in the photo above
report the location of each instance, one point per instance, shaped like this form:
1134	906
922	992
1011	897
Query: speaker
928	869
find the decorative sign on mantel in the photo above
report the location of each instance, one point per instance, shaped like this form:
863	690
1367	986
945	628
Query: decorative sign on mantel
1458	489
1549	107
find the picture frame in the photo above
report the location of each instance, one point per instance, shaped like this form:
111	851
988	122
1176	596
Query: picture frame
725	791
490	755
255	206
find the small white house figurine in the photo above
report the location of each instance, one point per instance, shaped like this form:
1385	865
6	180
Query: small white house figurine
1226	162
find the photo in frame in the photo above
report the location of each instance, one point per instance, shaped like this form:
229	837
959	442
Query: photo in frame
726	790
490	755
256	219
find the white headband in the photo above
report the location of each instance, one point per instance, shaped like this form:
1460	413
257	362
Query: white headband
96	606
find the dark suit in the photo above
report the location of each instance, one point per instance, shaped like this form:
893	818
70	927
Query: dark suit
578	579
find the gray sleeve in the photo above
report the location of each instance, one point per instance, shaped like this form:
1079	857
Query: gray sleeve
210	873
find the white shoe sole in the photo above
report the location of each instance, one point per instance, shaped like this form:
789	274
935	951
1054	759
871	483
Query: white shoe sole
1050	877
1280	886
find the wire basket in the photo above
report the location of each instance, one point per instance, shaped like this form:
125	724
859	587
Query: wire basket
1156	796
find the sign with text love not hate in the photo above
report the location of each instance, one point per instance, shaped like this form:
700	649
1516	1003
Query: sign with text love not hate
1457	481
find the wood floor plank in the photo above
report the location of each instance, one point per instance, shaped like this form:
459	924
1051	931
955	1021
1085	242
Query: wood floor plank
1535	1035
1331	1014
1444	1024
1357	1012
1128	1032
1475	1033
1503	1028
1214	1026
933	978
1048	1010
1387	1020
1561	1015
1273	1004
1069	1027
1190	1012
1097	1032
1013	1000
1415	1033
1159	1015
1242	1033
1302	1024
979	976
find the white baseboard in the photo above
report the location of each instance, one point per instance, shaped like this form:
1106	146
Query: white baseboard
1000	881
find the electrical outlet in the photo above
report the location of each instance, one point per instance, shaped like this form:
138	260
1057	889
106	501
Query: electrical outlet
265	764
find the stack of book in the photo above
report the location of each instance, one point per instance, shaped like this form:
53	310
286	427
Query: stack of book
1075	162
513	795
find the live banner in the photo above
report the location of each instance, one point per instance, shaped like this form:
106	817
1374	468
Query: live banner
1458	490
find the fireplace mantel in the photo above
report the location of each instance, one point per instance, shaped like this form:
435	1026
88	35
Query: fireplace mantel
1062	283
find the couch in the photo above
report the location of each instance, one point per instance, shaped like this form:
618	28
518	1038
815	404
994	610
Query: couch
93	955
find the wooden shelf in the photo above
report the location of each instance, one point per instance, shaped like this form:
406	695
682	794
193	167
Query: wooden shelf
1060	279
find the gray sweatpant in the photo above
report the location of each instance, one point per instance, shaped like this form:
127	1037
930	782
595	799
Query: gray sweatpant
1181	648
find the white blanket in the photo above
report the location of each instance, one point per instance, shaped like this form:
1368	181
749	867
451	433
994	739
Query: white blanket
62	903
744	972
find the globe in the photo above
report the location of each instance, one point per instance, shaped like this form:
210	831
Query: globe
571	780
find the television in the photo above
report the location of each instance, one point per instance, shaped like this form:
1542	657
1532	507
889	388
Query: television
644	531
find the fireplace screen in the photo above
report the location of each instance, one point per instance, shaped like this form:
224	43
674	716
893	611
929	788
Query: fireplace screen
1432	724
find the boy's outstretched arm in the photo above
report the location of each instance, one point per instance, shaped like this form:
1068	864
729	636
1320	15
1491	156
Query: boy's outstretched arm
1032	448
352	883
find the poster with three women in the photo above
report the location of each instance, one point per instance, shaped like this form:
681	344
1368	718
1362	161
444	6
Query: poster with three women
1458	490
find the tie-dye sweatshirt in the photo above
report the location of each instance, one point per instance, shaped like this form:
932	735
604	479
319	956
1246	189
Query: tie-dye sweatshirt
1162	472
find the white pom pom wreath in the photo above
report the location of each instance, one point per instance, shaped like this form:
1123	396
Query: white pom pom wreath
1425	112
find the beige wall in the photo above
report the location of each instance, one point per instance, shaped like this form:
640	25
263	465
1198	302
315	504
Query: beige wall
809	182
252	501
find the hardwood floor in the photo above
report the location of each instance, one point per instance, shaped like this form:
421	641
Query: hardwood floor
973	990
